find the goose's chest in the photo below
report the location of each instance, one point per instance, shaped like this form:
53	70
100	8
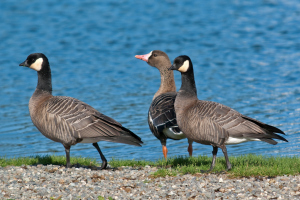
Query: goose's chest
182	108
32	106
38	108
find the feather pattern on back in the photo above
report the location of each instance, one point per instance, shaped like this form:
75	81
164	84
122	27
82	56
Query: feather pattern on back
69	121
219	118
162	115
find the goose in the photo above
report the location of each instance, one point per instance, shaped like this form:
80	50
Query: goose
212	123
161	114
68	120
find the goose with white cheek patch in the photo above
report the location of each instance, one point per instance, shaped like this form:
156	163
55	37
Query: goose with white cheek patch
68	120
161	115
212	123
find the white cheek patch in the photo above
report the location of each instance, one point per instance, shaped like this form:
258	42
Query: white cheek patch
184	67
37	65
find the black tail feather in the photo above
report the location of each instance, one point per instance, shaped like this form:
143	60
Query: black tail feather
129	133
270	141
279	137
264	126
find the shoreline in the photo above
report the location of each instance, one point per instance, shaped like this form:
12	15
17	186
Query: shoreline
58	182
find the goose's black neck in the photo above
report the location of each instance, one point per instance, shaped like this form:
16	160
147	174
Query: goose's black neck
188	82
44	78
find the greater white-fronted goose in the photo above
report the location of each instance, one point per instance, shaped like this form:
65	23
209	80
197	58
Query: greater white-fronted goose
161	115
212	123
68	120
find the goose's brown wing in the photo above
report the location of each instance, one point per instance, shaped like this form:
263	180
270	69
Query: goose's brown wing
203	129
236	124
81	121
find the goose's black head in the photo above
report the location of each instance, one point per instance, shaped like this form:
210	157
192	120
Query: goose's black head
156	58
35	61
182	64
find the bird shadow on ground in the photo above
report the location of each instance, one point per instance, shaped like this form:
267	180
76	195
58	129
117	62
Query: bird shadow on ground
187	161
76	162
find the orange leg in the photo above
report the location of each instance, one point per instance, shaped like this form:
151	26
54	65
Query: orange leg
165	151
190	150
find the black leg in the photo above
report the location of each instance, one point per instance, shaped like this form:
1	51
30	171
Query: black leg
223	147
214	152
67	149
190	148
104	161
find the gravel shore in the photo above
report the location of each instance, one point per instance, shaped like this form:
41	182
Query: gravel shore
58	182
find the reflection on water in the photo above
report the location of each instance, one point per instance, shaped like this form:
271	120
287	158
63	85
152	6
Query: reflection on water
246	55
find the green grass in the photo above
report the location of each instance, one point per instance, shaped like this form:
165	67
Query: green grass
102	198
246	165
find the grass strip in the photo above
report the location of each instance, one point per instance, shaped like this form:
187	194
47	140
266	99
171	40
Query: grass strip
242	166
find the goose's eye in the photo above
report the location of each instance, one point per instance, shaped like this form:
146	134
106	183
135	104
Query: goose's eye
155	55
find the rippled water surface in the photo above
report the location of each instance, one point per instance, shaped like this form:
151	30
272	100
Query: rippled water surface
246	55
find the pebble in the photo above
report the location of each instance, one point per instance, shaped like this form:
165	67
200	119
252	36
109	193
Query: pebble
58	182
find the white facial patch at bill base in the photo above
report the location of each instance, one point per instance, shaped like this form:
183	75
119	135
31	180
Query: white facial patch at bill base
37	65
184	67
147	56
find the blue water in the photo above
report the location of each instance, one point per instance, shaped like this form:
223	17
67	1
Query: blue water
246	55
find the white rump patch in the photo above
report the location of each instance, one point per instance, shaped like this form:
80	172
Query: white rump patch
37	65
232	140
185	66
171	134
